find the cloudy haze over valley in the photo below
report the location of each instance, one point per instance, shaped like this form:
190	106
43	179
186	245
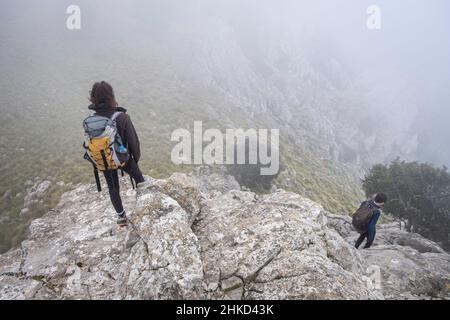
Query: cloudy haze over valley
344	96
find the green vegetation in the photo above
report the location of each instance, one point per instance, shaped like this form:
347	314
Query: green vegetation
41	132
419	194
323	181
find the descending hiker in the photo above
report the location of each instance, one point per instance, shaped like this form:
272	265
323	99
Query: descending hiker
366	218
111	144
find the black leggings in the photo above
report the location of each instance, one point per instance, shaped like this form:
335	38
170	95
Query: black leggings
112	179
361	238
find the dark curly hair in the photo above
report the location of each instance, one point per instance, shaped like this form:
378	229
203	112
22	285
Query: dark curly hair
103	93
381	197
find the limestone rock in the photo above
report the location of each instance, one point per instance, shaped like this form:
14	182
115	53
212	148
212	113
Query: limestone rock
409	266
199	236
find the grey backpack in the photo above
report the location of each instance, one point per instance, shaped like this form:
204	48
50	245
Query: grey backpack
103	145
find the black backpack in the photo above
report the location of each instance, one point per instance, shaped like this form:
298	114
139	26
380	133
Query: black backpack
362	216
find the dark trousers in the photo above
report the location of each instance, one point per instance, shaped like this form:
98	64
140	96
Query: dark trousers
371	231
112	179
360	240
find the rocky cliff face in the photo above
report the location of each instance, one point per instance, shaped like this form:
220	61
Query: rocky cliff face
199	236
290	83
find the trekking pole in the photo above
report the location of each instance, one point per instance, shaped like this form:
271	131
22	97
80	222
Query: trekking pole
132	182
97	179
131	178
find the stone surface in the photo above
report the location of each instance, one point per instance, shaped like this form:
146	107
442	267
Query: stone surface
199	236
410	266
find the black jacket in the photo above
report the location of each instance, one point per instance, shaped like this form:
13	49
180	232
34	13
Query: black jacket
125	128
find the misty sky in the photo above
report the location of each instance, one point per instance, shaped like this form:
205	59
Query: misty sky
405	65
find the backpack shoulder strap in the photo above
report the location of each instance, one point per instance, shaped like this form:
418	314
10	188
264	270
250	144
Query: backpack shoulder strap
115	115
371	206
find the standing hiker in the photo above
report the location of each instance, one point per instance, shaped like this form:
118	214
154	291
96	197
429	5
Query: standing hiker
366	217
111	143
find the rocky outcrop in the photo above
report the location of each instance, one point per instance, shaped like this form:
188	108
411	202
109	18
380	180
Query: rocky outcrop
276	247
408	265
199	236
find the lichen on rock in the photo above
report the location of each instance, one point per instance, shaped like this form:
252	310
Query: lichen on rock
198	236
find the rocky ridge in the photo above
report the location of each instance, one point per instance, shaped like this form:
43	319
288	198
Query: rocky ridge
199	236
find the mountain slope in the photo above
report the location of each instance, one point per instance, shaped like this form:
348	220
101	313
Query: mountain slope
171	65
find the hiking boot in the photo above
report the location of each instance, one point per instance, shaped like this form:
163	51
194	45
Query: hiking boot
122	220
367	246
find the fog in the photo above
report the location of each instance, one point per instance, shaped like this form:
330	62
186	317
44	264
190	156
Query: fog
404	67
313	69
